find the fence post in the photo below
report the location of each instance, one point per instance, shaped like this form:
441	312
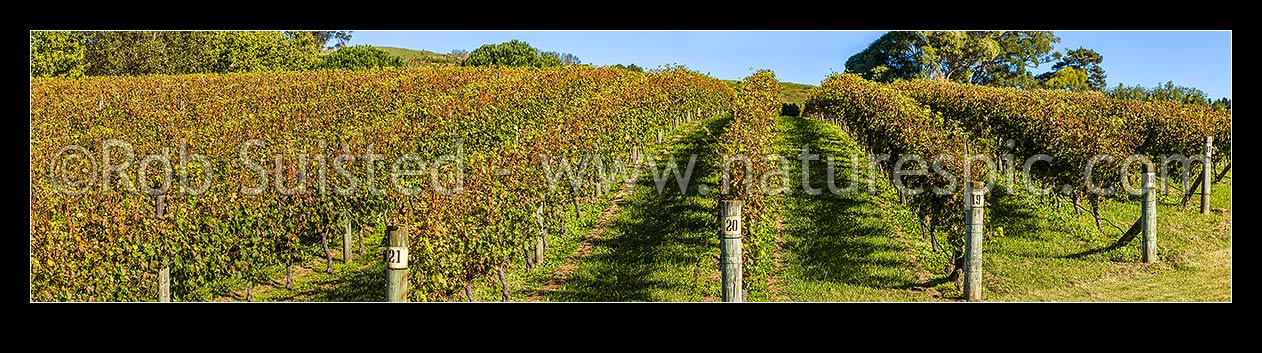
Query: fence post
164	274
974	203
1149	227
346	239
730	247
1207	174
539	249
164	284
396	256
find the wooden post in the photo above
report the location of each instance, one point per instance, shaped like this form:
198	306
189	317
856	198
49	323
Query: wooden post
543	230
346	239
1207	174
328	255
730	247
974	202
164	284
361	239
396	256
659	136
538	249
503	283
1149	215
164	274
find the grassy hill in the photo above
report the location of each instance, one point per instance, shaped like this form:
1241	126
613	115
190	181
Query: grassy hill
423	57
789	92
794	92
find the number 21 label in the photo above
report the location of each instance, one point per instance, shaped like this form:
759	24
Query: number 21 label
397	257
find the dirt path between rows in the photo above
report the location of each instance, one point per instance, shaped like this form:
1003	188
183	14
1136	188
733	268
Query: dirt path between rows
585	247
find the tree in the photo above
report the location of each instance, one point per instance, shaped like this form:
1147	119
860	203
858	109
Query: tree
1020	52
631	67
1136	92
1175	93
956	56
895	55
565	58
1223	103
997	58
147	53
1083	59
57	54
548	59
1168	91
1067	78
360	56
323	37
187	52
511	53
240	51
459	55
516	53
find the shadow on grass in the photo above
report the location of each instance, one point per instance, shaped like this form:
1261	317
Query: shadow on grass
1017	216
840	238
366	284
658	241
1049	230
1114	246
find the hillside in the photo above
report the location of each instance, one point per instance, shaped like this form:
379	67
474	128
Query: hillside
789	91
794	92
423	57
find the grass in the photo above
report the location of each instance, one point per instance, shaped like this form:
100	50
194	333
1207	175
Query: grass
794	92
542	283
661	247
848	246
789	92
1044	261
860	247
421	57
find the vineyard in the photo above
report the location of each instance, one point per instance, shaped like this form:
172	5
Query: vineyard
107	246
538	184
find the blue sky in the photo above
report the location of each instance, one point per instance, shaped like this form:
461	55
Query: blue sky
1200	59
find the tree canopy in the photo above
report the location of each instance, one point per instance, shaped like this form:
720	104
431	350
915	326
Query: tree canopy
113	53
340	38
631	67
517	53
993	58
57	54
997	58
1067	78
1083	59
360	57
1168	91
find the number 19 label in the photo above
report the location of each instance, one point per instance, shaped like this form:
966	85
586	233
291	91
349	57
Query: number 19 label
397	257
732	227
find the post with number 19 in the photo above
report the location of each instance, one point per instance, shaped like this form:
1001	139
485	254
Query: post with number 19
396	255
975	204
730	247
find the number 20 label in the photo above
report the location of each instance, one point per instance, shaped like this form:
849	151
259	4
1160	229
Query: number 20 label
732	227
397	257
